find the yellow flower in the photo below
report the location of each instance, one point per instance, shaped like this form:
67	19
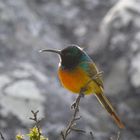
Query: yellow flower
19	137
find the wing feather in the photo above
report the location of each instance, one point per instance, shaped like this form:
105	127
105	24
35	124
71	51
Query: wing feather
93	72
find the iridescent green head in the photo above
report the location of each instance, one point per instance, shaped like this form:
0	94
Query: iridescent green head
70	56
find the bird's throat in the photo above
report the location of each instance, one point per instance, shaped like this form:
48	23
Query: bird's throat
69	64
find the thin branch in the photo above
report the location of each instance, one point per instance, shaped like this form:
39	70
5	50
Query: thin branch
91	134
73	120
2	137
78	130
37	121
118	135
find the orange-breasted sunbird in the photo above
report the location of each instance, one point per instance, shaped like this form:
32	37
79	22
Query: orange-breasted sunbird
76	70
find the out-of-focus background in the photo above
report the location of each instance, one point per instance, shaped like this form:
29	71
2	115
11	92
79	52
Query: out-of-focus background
109	30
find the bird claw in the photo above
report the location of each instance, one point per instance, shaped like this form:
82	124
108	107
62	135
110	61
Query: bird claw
73	106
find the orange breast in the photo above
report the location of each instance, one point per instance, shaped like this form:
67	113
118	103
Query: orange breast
76	79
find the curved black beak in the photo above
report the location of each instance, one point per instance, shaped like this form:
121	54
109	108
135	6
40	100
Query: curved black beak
54	51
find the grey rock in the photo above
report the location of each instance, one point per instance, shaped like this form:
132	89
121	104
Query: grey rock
110	32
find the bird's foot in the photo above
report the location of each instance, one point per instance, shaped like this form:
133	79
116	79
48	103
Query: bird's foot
73	106
76	102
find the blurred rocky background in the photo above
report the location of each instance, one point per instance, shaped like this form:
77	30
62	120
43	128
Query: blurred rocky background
109	30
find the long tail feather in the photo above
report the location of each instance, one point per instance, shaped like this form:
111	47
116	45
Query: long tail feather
107	105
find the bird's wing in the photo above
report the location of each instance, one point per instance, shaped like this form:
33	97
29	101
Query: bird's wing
93	72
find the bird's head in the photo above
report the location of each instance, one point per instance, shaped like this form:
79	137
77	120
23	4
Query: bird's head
69	56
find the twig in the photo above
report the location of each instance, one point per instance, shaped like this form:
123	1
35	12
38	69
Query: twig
91	134
2	137
73	120
118	135
78	130
37	121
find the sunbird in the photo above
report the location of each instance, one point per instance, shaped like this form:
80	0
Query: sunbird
76	69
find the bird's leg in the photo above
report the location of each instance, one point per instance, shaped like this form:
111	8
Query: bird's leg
81	94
